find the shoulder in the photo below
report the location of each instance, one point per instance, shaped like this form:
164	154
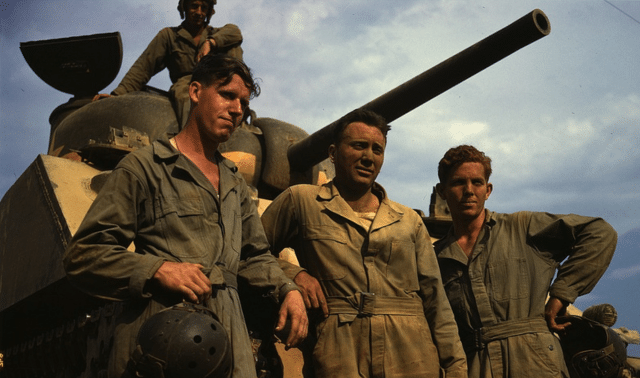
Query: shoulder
298	196
137	159
148	158
169	31
521	217
226	27
305	190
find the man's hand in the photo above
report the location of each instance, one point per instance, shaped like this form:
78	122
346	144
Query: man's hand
311	292
100	96
207	47
553	309
184	278
293	311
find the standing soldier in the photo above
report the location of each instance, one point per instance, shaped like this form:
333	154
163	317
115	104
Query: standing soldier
195	228
385	310
497	270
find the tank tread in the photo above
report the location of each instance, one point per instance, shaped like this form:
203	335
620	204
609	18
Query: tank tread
78	348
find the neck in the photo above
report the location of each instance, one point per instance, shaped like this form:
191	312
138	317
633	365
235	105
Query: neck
194	30
190	143
468	228
361	201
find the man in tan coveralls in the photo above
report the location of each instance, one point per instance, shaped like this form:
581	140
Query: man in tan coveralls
497	270
179	49
194	225
385	310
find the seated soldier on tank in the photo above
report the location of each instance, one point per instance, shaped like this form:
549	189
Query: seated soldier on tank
179	49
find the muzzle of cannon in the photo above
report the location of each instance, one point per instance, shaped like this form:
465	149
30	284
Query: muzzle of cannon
429	84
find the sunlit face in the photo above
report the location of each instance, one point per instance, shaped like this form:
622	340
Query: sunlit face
196	13
218	109
465	191
359	156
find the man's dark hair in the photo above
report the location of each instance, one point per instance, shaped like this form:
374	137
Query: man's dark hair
462	154
220	68
365	116
182	4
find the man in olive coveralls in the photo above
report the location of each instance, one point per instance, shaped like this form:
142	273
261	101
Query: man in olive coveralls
193	223
179	49
385	310
497	270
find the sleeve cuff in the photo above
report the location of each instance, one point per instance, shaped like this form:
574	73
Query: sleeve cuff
143	272
286	289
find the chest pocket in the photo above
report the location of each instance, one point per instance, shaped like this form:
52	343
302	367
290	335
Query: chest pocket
182	224
326	252
509	279
182	60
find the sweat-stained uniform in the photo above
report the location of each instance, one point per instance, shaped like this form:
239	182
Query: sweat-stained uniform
158	199
498	294
389	314
175	49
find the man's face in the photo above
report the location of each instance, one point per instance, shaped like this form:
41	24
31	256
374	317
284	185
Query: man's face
218	109
465	191
196	12
359	156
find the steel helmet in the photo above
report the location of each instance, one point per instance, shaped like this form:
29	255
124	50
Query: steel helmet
185	340
591	349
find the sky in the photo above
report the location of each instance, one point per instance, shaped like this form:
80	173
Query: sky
560	118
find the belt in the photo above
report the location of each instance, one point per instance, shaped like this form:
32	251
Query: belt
222	278
369	304
479	338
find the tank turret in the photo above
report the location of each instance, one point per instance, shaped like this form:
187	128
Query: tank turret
50	329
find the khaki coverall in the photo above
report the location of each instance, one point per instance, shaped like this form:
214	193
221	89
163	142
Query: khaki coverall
389	315
175	49
161	201
498	294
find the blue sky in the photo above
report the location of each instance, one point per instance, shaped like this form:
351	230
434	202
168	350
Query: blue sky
560	118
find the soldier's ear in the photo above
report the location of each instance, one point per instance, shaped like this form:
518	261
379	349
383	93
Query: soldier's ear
195	89
332	152
489	190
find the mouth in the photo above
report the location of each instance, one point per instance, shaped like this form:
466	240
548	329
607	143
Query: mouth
364	171
229	122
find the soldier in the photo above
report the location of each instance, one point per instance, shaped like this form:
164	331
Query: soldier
179	49
195	228
384	306
497	270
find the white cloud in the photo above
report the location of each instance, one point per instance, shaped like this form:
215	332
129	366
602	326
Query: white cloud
624	273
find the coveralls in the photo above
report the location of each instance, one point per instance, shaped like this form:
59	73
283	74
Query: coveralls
498	294
389	315
158	199
175	49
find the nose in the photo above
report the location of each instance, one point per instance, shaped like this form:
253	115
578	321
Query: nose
236	109
367	155
467	187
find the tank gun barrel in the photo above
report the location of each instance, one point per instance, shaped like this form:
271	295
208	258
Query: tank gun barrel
429	84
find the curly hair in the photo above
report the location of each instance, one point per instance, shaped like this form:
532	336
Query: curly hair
220	68
462	154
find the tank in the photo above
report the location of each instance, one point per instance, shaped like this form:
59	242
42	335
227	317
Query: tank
50	329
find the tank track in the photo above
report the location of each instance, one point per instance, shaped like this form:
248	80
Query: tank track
77	349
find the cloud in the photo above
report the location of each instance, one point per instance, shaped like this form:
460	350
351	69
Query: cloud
624	273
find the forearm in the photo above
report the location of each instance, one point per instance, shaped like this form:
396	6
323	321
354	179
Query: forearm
589	257
226	36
